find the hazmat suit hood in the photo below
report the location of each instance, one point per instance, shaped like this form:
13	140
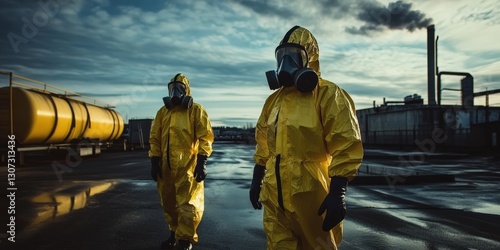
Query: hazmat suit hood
297	58
179	92
305	38
182	78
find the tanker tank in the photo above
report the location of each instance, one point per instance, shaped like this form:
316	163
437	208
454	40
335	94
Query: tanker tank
42	118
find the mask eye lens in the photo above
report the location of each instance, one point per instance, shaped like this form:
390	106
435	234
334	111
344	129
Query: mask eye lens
178	85
295	51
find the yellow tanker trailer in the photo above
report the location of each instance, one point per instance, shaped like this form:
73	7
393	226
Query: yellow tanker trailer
39	118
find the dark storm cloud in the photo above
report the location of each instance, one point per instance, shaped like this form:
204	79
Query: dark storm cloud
266	8
27	32
337	9
397	16
59	52
375	16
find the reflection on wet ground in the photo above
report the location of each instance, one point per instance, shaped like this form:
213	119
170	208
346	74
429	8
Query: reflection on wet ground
457	214
410	221
231	162
404	208
70	197
48	202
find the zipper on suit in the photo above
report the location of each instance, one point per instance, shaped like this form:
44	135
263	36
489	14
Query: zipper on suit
277	166
168	149
278	181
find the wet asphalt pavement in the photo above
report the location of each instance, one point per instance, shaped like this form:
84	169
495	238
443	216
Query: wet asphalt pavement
109	202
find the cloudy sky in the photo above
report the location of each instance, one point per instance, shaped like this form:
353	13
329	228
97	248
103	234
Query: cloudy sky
123	53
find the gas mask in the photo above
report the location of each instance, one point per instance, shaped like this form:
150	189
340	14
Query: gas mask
177	96
292	69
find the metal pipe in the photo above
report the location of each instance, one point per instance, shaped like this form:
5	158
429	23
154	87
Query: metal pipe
437	61
465	74
431	66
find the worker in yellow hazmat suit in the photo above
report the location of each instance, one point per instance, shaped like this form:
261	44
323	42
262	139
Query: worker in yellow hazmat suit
181	140
308	148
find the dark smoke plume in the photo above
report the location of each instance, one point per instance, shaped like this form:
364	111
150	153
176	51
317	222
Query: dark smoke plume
397	15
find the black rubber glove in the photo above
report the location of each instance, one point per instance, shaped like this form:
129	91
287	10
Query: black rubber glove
200	172
155	167
334	203
258	175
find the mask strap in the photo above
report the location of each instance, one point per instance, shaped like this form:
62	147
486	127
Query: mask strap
289	33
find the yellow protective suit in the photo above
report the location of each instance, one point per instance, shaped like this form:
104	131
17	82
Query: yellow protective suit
303	139
177	136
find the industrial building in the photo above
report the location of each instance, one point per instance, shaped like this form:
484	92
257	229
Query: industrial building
137	133
428	127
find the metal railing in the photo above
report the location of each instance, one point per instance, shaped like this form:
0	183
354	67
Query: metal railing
28	83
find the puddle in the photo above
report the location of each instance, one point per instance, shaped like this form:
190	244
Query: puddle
70	197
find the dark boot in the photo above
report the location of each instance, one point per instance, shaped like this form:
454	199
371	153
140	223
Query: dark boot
185	245
170	243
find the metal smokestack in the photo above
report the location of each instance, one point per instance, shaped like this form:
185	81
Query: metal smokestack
431	66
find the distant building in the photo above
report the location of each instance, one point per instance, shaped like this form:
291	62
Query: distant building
233	134
431	127
410	123
138	133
